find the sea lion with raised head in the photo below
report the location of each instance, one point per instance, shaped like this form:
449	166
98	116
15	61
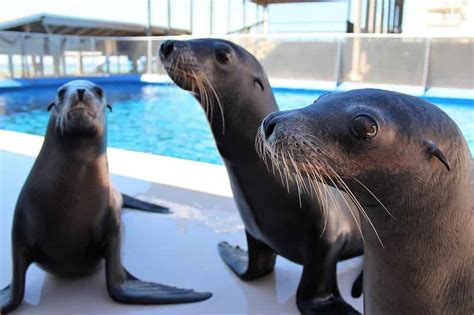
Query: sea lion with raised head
67	217
407	165
234	90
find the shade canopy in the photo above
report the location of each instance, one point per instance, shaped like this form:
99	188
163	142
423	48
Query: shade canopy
56	24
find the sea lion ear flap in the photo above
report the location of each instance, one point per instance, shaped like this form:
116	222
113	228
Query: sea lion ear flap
51	105
434	150
109	107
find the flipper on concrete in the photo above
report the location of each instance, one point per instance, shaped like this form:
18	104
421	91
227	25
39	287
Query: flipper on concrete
135	291
256	263
133	203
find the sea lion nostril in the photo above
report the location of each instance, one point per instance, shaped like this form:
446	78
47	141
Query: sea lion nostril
269	128
80	93
166	48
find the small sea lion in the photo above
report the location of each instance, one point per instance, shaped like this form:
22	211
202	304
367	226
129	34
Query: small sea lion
67	217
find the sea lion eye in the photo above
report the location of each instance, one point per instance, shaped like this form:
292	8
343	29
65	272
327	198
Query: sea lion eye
259	84
61	92
364	127
223	55
99	91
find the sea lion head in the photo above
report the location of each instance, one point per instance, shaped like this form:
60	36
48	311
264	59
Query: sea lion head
217	72
79	109
372	141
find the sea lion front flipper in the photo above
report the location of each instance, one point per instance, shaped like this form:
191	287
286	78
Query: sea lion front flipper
125	288
256	263
133	203
12	295
317	291
357	286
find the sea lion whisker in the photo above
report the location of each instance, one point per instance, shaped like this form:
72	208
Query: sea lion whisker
373	195
347	204
284	166
216	96
319	193
296	176
298	172
329	193
357	203
205	98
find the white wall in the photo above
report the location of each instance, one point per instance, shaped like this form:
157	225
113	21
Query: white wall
420	18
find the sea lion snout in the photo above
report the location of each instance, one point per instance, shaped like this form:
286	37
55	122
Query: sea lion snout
79	105
277	126
167	47
80	93
82	98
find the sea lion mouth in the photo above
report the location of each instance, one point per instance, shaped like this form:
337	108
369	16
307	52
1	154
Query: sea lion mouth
181	65
183	68
295	158
185	79
83	110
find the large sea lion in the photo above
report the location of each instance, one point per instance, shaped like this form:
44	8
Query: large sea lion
67	216
234	90
408	166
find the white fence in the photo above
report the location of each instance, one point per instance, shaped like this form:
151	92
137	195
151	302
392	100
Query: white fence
335	58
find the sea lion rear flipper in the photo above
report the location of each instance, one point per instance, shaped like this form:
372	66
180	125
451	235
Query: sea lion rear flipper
133	203
256	263
12	295
125	288
134	291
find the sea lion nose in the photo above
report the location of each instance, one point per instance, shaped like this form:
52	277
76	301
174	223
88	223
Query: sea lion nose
167	47
80	94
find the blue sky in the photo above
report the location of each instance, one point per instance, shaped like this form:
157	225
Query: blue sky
304	17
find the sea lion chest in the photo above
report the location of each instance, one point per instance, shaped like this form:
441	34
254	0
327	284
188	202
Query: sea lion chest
65	218
269	212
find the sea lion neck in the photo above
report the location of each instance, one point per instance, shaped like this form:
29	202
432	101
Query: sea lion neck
241	123
84	148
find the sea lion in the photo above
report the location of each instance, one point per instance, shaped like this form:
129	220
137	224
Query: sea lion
233	88
67	216
407	165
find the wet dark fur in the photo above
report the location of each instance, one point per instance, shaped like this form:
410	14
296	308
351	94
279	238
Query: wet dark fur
234	91
415	182
67	217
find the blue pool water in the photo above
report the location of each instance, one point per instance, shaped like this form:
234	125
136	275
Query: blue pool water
162	119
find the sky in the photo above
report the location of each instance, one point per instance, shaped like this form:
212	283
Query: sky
309	17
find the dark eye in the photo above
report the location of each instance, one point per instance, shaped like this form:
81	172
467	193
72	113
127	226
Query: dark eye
364	127
99	91
223	55
61	92
259	84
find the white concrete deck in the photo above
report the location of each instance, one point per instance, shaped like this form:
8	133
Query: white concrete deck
177	249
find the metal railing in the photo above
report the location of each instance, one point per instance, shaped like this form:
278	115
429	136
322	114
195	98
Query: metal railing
336	58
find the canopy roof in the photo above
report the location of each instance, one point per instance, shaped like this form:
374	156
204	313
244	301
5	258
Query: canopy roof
56	24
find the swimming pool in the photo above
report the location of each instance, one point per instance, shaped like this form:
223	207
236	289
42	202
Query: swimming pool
163	119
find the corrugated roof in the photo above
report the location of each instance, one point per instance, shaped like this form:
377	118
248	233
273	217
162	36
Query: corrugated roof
57	24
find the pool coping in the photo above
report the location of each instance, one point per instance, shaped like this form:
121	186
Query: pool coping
436	95
153	168
165	249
